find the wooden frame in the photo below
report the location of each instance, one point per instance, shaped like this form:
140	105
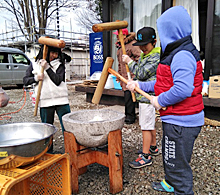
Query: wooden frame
113	159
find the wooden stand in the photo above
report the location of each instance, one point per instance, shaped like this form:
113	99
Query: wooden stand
113	159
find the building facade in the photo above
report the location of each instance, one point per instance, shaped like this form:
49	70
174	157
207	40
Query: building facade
205	16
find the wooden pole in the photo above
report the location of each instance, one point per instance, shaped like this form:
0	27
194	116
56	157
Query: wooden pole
149	97
40	82
101	84
121	39
109	26
110	70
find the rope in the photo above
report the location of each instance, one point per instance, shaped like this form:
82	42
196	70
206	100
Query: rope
3	116
18	100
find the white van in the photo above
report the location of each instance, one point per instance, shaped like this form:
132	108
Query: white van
13	65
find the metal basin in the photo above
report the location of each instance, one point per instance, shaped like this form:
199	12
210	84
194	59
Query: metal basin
23	143
91	127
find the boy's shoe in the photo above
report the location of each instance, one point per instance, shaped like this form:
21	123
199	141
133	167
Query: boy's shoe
154	152
142	161
162	186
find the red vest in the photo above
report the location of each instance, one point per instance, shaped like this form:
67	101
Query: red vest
189	106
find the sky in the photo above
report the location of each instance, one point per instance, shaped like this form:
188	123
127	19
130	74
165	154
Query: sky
65	22
2	21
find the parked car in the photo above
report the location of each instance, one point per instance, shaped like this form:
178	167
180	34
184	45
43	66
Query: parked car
13	65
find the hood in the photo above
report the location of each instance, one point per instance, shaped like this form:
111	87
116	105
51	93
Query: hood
130	37
173	24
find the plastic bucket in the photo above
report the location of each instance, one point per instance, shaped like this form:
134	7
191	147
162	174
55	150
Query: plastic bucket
109	83
116	84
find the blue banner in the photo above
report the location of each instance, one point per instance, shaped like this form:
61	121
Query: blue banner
96	52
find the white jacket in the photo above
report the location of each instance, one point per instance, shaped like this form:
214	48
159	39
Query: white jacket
51	95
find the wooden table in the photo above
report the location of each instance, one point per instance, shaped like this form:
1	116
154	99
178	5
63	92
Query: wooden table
109	96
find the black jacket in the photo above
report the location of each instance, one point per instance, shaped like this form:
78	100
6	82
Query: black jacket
57	77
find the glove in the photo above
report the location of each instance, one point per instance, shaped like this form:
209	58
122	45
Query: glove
126	59
117	80
131	85
154	102
39	77
3	98
43	63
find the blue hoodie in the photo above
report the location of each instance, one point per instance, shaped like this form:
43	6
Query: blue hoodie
172	25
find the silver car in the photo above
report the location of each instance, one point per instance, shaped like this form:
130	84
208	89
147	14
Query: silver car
13	65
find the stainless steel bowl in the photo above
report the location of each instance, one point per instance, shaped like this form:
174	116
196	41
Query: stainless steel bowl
23	143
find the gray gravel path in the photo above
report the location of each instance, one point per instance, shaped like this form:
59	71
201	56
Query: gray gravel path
205	159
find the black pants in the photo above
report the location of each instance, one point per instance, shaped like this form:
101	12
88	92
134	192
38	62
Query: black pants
47	113
177	148
47	116
129	106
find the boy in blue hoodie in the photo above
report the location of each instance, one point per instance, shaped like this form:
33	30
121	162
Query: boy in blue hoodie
178	87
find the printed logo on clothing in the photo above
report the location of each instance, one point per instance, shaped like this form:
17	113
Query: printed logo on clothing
169	151
139	37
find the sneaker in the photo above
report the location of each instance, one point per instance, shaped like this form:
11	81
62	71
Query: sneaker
154	151
141	161
162	186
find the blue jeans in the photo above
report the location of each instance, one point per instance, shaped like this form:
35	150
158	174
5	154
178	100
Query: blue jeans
47	113
177	148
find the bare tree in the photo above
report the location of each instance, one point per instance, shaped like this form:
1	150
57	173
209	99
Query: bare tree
33	16
89	12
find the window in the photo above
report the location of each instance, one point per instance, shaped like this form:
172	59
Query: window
120	11
19	58
146	14
3	58
216	40
192	8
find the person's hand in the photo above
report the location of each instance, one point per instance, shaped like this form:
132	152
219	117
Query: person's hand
126	59
154	102
4	99
39	77
131	85
43	63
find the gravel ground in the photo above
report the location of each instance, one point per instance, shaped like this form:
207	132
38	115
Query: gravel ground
205	159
